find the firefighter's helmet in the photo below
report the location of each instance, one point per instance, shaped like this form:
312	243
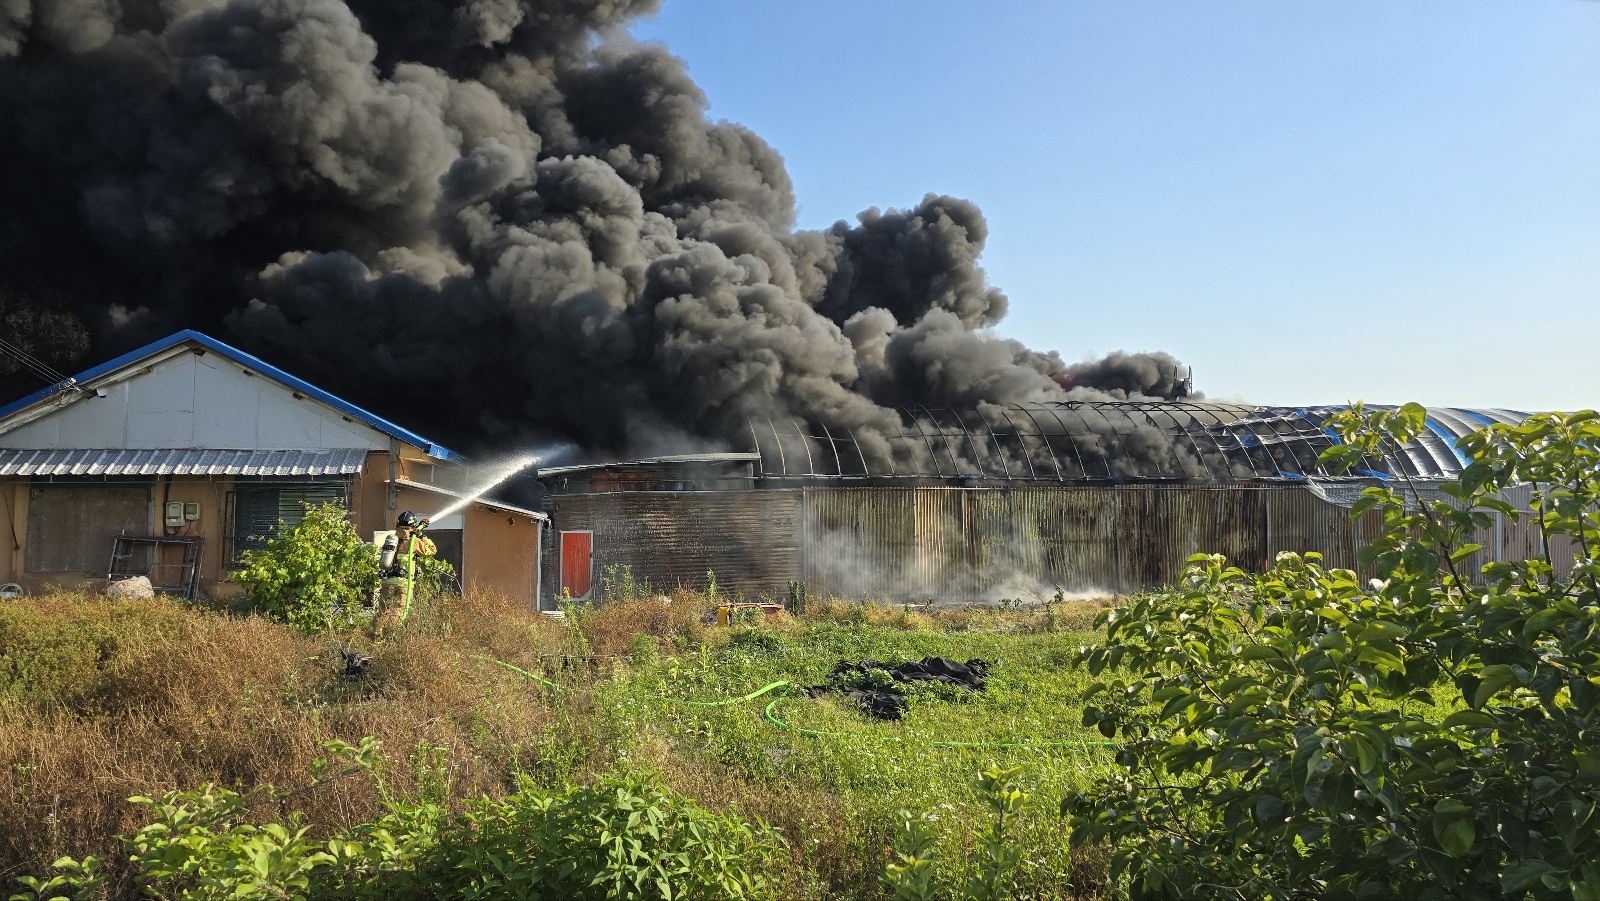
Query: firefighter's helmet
407	520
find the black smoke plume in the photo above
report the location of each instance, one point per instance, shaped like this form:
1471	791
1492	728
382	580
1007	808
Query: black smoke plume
497	220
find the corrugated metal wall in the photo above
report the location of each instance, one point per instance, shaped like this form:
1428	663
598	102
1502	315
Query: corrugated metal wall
1526	541
1298	521
751	539
986	543
968	543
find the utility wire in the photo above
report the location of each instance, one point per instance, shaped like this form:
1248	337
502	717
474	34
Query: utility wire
24	355
28	367
38	366
24	359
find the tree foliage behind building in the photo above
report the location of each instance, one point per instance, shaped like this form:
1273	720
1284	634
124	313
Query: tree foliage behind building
41	327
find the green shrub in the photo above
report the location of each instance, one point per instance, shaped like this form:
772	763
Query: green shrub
47	664
756	639
61	652
199	847
314	575
436	576
625	837
910	876
1302	734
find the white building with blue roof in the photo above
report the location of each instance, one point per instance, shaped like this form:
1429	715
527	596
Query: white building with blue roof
172	460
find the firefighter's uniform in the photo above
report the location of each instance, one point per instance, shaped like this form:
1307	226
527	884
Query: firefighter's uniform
398	588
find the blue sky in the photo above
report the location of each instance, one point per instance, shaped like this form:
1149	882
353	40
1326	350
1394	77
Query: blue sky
1310	202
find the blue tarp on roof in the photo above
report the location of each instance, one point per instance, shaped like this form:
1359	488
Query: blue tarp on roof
248	361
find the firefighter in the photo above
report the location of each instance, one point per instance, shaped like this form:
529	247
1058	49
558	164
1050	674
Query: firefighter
399	572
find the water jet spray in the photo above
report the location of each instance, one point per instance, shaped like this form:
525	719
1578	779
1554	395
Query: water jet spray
493	478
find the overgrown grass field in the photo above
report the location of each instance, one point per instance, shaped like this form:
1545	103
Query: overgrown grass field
101	701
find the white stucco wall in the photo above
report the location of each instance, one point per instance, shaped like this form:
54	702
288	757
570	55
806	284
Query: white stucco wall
196	401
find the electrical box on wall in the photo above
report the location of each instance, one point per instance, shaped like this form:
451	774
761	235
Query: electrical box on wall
191	512
174	513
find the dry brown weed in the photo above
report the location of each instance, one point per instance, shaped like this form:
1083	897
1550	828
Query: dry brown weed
102	701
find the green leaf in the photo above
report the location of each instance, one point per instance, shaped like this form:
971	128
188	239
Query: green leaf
1366	755
1452	826
1475	476
1363	504
1499	506
1270	811
1545	619
1492	679
1570	818
1414	415
1520	876
1471	718
1377	630
1588	888
1381	655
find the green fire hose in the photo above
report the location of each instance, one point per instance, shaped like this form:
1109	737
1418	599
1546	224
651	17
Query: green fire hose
517	669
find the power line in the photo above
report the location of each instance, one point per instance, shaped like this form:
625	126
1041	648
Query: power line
32	363
27	363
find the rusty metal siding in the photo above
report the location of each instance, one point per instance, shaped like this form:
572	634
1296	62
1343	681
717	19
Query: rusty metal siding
1524	538
1486	538
1242	527
1292	523
1071	533
1341	542
907	543
860	542
1300	522
987	543
750	539
1519	539
1144	531
972	543
996	562
1190	516
1161	527
940	536
910	543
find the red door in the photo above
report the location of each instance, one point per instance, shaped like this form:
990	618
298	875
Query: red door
577	572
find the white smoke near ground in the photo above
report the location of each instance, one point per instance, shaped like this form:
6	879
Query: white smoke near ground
505	221
928	559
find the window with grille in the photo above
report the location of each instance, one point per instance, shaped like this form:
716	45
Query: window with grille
70	527
260	513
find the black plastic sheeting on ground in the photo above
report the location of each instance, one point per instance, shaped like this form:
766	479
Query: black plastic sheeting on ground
888	704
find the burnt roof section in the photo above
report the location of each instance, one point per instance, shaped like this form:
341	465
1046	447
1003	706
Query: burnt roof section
625	465
1104	441
681	472
1047	442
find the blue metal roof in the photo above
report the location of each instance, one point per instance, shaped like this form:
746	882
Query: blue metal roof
253	363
